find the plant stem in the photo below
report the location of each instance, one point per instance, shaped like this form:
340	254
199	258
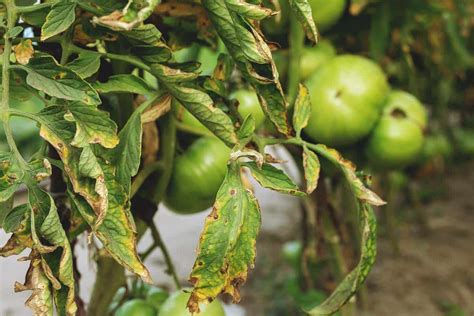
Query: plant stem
159	242
144	174
34	7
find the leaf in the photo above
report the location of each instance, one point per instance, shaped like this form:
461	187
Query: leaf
252	56
312	168
246	131
197	102
364	194
135	12
117	232
16	218
273	178
46	75
304	14
24	51
302	110
59	19
11	176
41	300
85	65
40	169
57	254
18	223
126	83
93	126
227	243
352	282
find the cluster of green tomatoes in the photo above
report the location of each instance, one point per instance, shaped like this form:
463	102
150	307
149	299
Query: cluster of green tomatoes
147	300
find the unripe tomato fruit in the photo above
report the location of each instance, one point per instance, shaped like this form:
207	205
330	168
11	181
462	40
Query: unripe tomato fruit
136	307
410	105
156	297
327	13
397	139
314	57
347	97
249	104
197	176
175	305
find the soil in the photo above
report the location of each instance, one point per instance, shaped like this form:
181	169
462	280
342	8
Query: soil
432	275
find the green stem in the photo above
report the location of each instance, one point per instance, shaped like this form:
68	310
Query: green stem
296	41
35	7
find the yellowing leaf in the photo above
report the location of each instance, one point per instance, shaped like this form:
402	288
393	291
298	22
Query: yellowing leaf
311	168
24	51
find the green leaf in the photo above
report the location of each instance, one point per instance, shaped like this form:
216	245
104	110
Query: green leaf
312	168
302	110
59	19
16	218
93	126
303	13
40	169
46	75
227	244
14	32
352	282
126	83
135	12
197	102
273	178
253	57
245	133
85	65
11	176
57	255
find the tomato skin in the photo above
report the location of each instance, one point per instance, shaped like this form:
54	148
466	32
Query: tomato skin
197	176
156	297
175	305
136	307
395	143
249	104
327	13
409	104
347	95
314	57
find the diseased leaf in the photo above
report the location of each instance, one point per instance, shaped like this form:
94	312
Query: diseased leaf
312	168
16	218
197	102
40	169
135	12
364	194
352	282
46	75
302	110
85	65
246	131
303	13
252	55
57	255
18	223
41	300
124	83
11	176
24	51
59	19
93	126
227	244
273	178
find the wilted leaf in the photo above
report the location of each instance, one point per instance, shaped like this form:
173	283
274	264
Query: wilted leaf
46	75
311	169
352	282
302	110
24	51
85	65
227	244
303	13
273	178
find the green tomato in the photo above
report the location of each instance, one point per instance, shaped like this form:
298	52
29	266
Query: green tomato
314	57
197	176
395	142
175	305
277	24
136	307
327	13
347	96
156	297
249	104
409	104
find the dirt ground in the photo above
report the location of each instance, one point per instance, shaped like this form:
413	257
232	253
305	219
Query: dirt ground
433	274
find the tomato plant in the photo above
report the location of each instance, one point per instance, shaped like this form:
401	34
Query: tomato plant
112	108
